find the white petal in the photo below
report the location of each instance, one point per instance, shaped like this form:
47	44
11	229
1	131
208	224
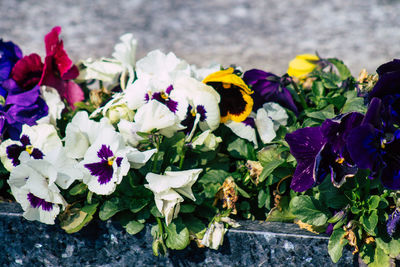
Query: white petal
137	158
276	113
265	126
244	131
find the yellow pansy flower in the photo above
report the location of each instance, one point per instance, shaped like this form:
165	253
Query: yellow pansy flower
236	103
302	65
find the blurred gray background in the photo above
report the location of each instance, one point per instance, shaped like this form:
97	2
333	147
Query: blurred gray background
264	34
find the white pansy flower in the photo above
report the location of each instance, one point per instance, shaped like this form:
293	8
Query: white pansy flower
129	130
155	115
81	132
214	235
33	185
55	104
277	114
202	105
206	141
67	168
160	66
244	129
137	158
167	189
200	73
37	140
125	52
104	69
105	163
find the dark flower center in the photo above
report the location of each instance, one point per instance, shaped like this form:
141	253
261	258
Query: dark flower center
232	101
104	169
14	151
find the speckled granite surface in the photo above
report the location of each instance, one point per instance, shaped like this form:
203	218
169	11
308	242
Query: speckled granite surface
25	243
258	33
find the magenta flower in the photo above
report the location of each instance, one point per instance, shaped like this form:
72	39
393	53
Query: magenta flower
59	70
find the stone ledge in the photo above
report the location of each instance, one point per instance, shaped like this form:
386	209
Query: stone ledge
26	243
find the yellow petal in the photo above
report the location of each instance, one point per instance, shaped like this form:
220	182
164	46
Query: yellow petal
227	77
301	65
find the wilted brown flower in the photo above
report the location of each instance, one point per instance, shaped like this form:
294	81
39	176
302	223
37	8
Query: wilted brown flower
255	168
228	194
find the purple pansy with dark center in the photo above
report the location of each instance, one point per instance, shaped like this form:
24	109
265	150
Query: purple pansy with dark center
37	202
320	151
164	98
104	168
269	87
372	147
191	113
14	151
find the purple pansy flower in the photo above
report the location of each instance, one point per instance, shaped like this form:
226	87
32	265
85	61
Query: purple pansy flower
320	151
269	87
372	147
393	222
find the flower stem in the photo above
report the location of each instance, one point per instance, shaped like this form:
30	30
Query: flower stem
157	142
300	94
182	158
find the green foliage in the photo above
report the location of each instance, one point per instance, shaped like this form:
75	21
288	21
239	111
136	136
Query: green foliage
336	244
309	210
177	235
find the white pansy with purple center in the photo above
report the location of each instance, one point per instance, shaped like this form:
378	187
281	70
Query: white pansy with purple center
33	185
202	105
81	132
37	140
105	163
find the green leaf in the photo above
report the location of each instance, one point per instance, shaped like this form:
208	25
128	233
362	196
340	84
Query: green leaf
318	89
137	205
283	214
336	244
110	208
187	208
264	198
77	219
269	168
394	248
214	176
134	227
269	153
154	211
326	113
373	202
241	149
306	209
343	70
381	259
370	222
195	225
242	192
337	101
177	235
353	103
78	189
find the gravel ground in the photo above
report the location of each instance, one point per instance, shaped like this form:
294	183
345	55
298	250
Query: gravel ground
259	33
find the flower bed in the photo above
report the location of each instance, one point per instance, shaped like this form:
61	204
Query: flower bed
191	150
